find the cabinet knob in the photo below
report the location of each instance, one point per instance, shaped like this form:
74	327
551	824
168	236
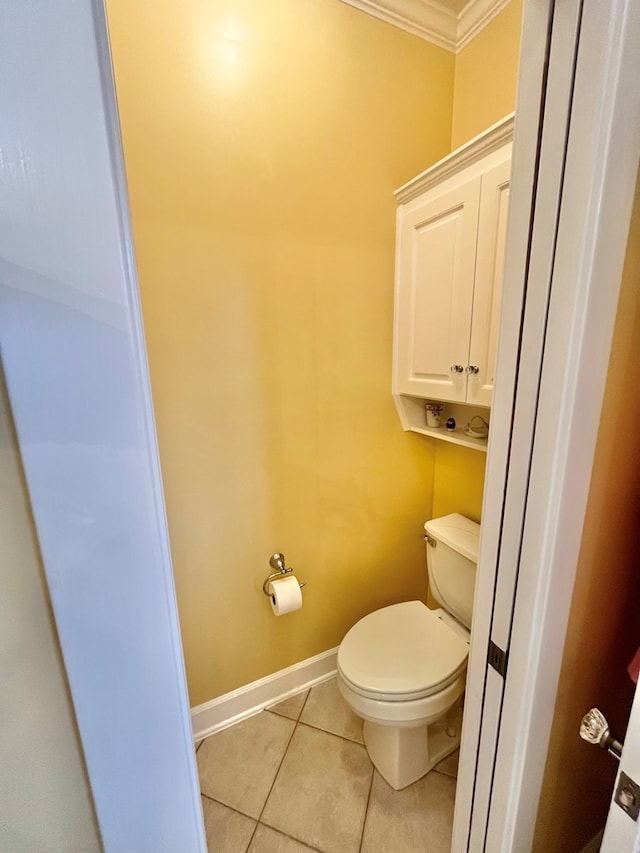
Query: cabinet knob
457	368
472	368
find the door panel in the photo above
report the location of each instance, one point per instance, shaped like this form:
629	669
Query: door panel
487	296
74	357
436	268
510	442
622	834
572	275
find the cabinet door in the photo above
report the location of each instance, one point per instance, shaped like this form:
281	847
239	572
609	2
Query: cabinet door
487	297
434	292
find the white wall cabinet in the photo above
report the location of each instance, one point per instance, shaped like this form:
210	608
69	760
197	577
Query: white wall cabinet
451	230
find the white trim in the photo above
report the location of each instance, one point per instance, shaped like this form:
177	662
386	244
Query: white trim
225	711
475	16
484	691
601	166
90	460
432	21
599	181
476	149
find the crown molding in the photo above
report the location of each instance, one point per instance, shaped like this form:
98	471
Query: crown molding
430	21
474	17
480	146
433	21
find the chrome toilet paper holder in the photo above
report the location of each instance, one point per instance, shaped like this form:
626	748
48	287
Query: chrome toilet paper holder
277	561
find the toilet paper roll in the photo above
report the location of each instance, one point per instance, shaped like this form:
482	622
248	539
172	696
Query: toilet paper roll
285	594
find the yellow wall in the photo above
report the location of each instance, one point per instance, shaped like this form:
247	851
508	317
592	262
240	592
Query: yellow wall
604	624
486	76
484	91
458	481
263	142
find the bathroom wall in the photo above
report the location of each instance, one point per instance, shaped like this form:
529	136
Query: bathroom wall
263	143
484	92
487	75
604	624
458	481
46	801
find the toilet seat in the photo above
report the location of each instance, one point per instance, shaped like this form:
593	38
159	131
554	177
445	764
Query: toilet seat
401	653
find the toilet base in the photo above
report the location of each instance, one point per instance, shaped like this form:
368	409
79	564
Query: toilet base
403	755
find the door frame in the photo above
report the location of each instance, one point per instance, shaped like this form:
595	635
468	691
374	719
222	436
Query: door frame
567	242
621	831
73	351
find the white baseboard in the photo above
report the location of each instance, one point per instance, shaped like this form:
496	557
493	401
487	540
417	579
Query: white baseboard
220	713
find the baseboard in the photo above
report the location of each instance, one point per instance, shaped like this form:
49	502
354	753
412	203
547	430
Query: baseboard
220	713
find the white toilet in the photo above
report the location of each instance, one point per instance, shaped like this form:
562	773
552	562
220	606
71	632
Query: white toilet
402	668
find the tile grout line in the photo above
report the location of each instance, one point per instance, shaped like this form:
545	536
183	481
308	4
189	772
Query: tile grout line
299	721
258	821
327	732
312	726
244	814
224	805
284	754
366	811
292	838
250	817
278	714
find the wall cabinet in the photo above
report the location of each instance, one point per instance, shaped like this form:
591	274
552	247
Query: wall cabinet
451	230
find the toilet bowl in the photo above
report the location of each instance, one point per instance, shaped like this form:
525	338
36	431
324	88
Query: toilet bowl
403	668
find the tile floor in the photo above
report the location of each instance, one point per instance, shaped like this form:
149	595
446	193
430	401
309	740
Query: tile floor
297	778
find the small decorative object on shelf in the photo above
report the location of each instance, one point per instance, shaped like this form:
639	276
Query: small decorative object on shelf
434	414
450	424
476	428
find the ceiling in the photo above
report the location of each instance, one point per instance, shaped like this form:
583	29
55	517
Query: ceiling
450	24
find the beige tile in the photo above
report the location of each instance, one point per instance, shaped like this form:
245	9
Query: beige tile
419	817
227	831
320	795
198	744
291	707
449	765
267	840
327	710
238	765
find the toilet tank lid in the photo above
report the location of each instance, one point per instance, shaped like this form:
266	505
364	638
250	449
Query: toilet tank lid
457	532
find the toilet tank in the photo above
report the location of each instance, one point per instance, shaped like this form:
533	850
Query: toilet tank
452	558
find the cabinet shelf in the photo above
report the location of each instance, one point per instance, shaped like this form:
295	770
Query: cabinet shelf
413	418
456	436
450	244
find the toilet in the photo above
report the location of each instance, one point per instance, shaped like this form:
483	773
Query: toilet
402	668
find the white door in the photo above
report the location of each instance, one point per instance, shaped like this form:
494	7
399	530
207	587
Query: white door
576	152
73	352
622	832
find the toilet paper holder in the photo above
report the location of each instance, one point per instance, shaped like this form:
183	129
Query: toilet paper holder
277	561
